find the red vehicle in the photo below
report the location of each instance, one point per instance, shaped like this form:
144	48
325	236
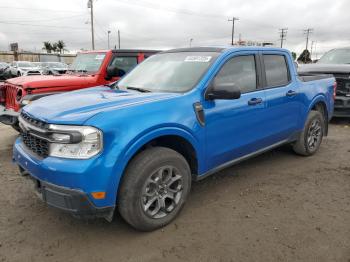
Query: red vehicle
91	68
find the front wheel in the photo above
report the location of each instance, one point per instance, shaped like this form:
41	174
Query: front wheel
154	188
311	137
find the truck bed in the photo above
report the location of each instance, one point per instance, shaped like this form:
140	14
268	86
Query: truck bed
307	77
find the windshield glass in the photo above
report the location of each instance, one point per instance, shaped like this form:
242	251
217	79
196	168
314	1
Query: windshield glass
336	56
169	72
25	64
89	62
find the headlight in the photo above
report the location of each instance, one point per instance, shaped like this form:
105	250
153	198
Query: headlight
77	142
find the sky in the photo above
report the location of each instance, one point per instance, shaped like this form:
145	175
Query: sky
164	24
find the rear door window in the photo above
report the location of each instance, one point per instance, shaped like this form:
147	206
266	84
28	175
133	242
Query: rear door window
276	69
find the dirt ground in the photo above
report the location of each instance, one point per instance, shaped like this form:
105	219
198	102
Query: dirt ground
276	207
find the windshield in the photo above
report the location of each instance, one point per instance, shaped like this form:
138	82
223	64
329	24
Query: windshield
89	62
25	64
336	56
169	72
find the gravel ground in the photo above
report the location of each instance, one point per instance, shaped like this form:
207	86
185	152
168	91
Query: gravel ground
275	207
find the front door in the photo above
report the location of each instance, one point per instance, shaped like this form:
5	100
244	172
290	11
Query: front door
236	128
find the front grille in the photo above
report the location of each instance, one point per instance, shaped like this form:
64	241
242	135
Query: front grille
343	86
33	73
11	92
34	143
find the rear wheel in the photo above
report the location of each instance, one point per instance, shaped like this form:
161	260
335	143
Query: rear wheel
311	137
154	188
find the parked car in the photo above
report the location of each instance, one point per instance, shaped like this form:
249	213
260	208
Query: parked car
3	67
89	69
54	68
337	63
181	115
24	68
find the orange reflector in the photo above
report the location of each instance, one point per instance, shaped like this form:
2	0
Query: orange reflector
98	195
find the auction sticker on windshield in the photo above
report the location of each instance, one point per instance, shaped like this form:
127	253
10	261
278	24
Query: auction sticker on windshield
195	58
99	57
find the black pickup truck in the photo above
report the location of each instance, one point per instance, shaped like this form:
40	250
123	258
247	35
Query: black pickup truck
337	63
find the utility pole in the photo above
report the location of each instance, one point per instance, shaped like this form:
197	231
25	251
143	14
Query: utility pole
233	27
283	35
118	39
108	32
307	32
91	6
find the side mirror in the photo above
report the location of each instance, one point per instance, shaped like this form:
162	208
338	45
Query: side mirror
223	91
113	71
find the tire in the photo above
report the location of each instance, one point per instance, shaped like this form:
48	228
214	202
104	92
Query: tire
311	137
146	179
18	74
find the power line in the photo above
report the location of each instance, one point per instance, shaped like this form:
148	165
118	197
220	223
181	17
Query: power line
38	9
170	9
51	26
307	32
49	19
283	35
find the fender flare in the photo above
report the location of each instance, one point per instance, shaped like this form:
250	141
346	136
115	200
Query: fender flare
136	144
317	99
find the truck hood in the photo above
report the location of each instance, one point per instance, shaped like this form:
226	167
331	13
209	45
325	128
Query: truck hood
43	81
78	106
324	68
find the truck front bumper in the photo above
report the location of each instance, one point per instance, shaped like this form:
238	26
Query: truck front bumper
68	200
8	117
342	106
58	184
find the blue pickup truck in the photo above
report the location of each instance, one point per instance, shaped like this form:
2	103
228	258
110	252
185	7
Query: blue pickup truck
135	146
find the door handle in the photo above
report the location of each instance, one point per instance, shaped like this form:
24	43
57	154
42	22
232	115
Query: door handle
255	101
291	93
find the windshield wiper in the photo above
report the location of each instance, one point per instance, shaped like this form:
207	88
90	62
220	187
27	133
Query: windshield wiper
140	89
113	85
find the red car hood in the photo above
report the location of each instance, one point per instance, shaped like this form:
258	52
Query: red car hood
44	81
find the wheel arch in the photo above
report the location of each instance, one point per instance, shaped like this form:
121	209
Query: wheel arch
319	104
174	138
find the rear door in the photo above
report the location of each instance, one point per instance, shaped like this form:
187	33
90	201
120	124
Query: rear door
281	94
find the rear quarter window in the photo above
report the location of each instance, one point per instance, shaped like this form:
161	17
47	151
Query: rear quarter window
276	68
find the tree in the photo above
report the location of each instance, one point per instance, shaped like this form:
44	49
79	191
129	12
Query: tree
294	55
305	57
54	47
48	47
60	46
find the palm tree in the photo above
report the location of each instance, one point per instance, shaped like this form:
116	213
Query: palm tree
55	47
60	46
48	47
